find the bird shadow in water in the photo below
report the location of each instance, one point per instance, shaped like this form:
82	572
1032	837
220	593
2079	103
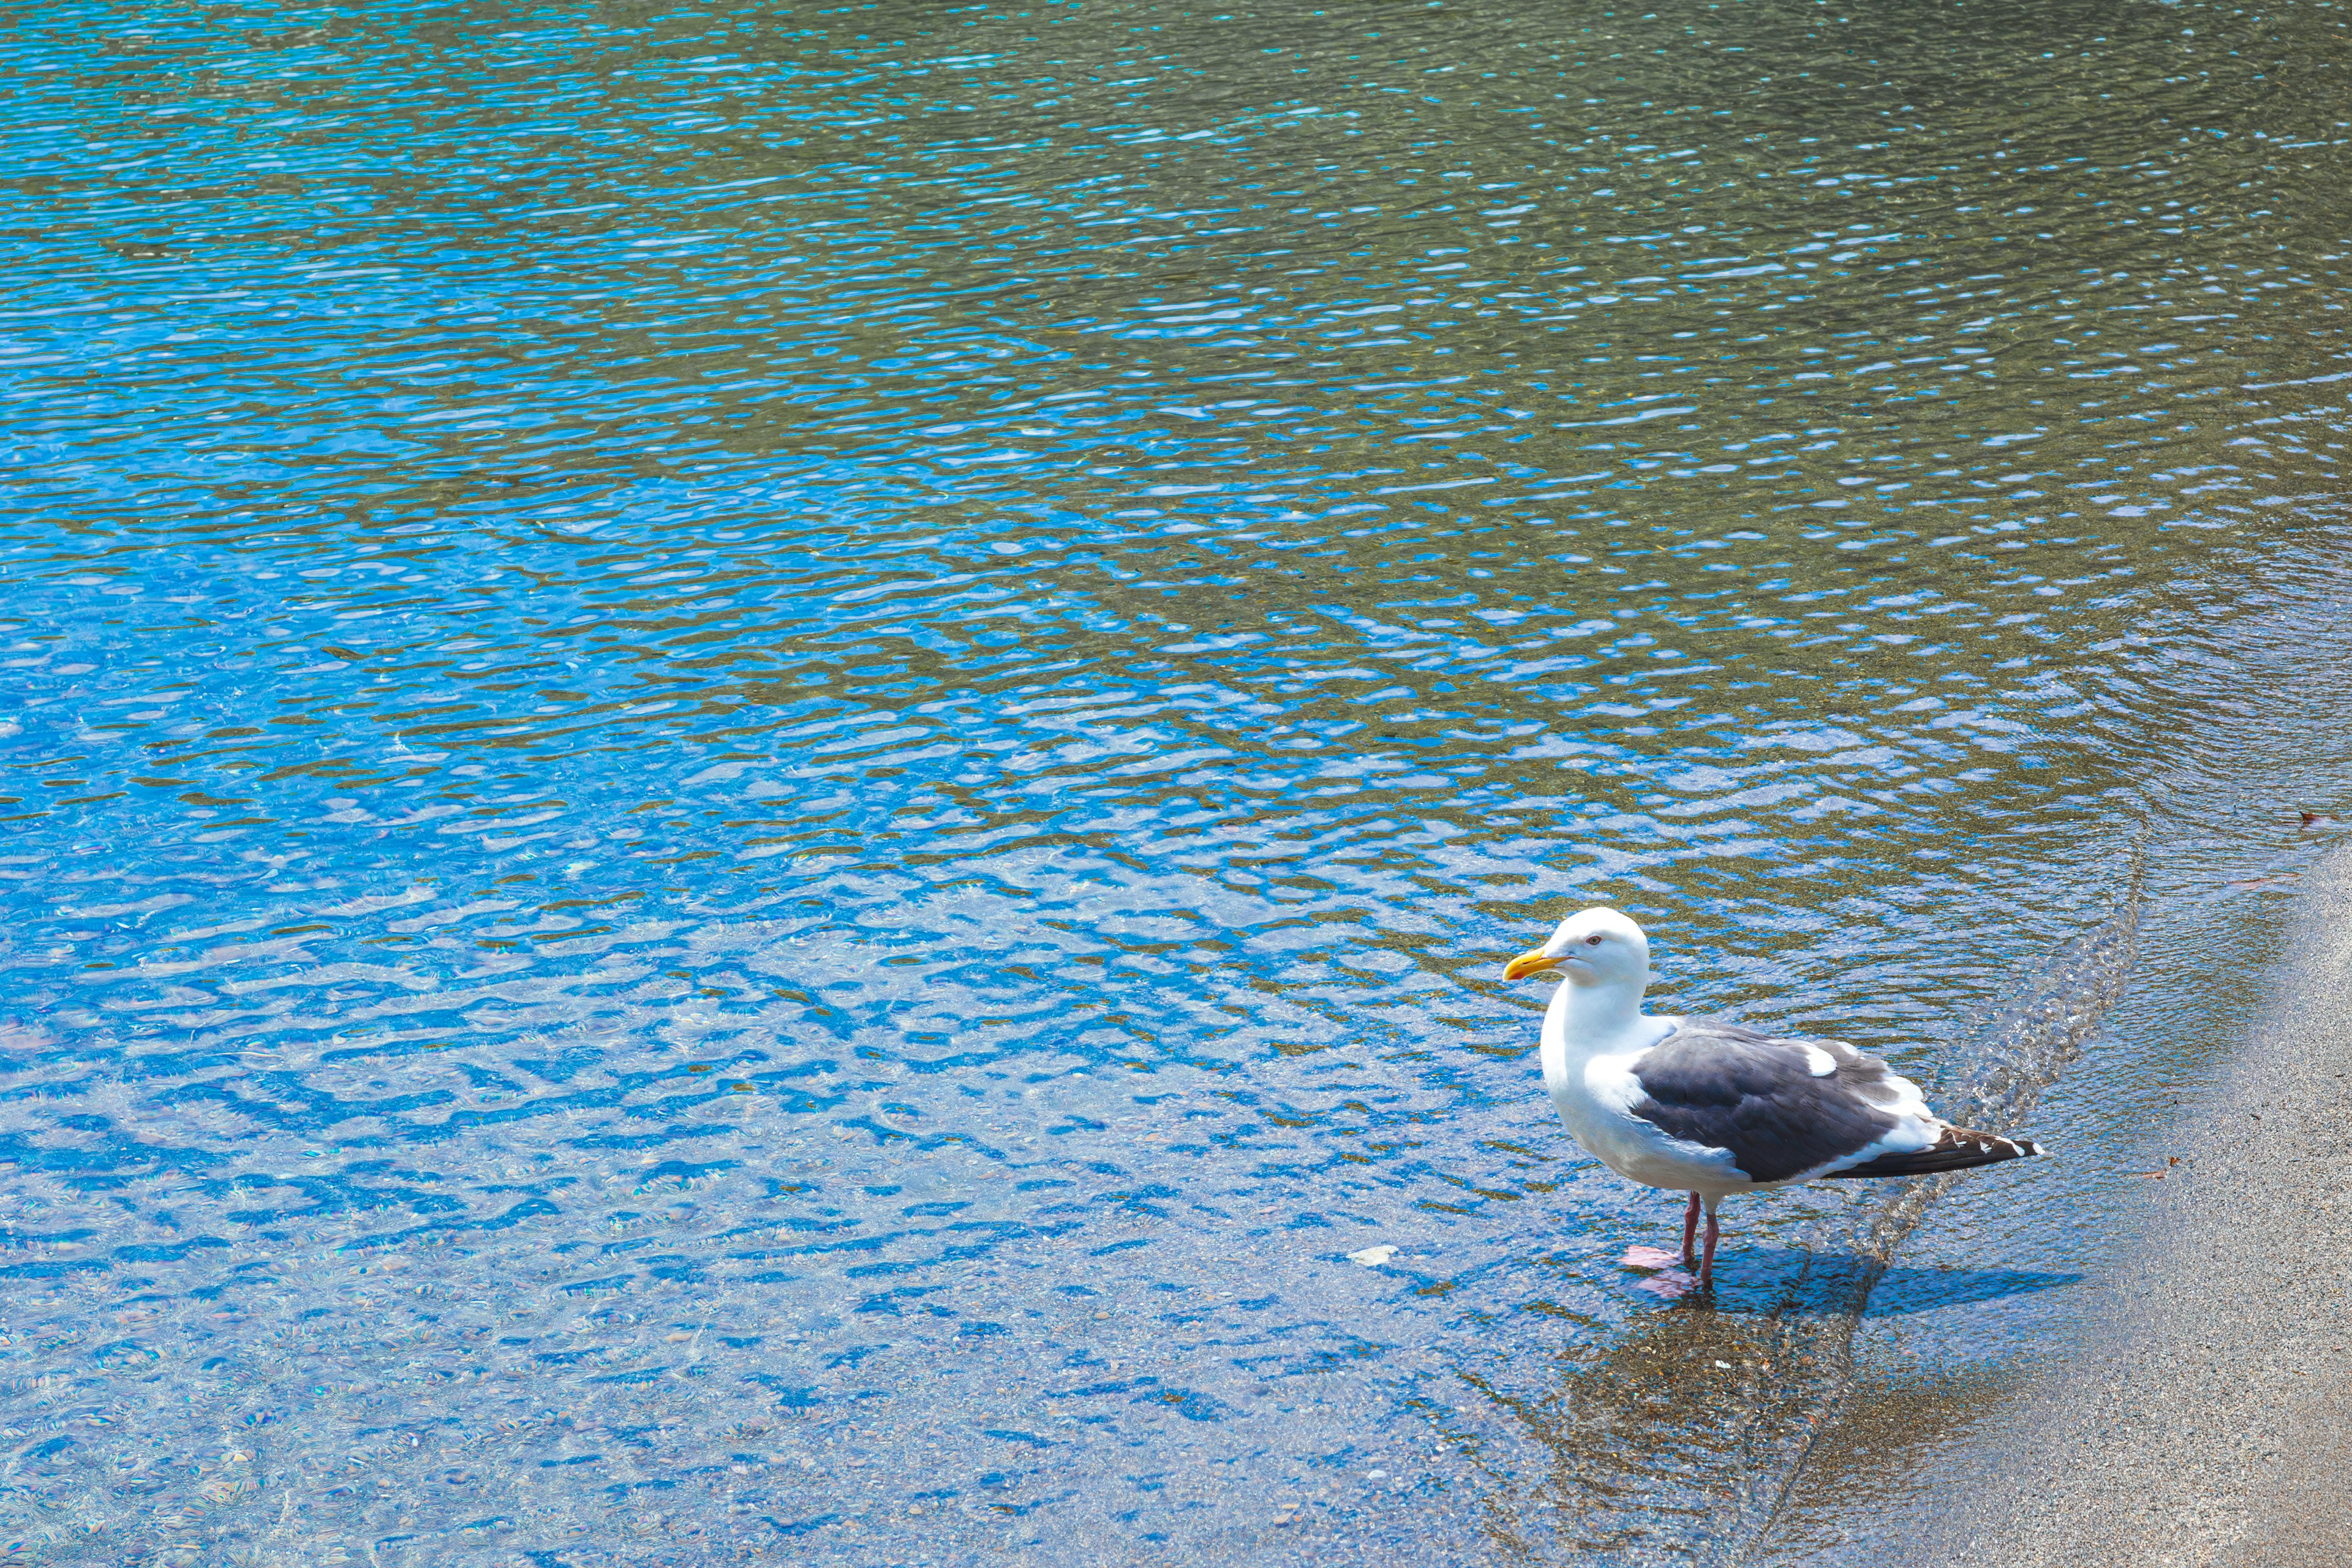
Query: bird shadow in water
1661	1435
1764	1279
1902	1291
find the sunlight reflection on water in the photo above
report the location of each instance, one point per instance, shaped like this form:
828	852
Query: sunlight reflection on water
765	768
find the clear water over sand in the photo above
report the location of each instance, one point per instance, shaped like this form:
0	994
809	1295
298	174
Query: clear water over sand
767	768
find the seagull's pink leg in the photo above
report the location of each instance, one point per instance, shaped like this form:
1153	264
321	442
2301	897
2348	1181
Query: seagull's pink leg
1707	1258
1690	1230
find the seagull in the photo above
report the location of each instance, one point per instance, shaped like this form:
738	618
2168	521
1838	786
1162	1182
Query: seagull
1708	1106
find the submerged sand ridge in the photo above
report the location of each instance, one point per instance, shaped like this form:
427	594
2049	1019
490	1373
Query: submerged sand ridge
2207	1425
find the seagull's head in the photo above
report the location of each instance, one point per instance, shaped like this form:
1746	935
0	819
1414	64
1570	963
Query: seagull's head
1591	947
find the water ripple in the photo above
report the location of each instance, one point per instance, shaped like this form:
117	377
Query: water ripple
763	769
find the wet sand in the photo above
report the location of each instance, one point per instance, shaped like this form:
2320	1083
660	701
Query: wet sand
2204	1422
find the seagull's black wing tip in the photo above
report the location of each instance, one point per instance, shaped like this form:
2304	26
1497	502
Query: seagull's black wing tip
1959	1149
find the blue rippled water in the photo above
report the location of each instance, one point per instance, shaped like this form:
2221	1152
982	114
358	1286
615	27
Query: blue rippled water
765	767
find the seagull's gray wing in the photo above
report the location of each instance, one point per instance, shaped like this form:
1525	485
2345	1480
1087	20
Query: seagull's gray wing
1783	1108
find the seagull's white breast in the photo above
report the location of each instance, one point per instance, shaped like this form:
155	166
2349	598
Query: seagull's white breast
1595	1092
1599	1112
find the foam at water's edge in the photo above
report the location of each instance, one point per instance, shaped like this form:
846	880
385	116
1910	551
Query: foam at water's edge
2021	1050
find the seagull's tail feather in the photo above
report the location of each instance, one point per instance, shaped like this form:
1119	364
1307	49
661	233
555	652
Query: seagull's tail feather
1958	1149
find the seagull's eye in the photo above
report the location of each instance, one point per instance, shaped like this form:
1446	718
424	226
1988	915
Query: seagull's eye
1593	940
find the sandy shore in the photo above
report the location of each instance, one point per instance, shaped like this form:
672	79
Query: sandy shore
2209	1418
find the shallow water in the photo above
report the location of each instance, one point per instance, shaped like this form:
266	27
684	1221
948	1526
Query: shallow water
767	768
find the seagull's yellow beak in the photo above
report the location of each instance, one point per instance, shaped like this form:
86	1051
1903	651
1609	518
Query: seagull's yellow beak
1530	962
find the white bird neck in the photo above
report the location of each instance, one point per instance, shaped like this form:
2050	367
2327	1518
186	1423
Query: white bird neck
1584	1018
